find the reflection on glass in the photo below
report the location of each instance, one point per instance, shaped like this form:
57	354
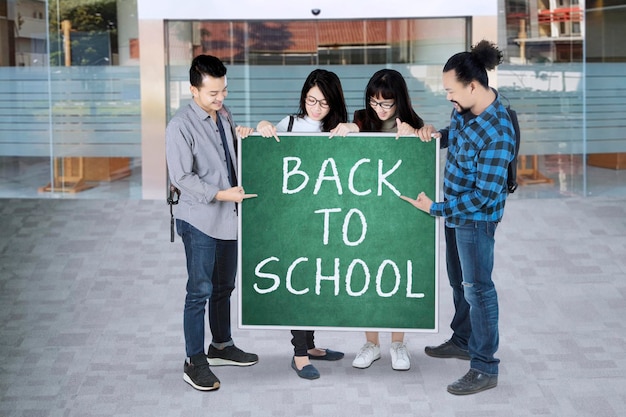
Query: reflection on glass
75	118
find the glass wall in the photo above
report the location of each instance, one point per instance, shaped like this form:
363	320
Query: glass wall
569	87
268	61
71	111
70	106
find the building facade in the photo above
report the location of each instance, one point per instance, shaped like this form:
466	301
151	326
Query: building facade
87	86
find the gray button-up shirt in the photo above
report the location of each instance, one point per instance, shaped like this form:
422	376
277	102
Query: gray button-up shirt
197	167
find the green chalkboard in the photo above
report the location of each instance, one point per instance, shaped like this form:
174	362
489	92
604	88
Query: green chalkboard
328	243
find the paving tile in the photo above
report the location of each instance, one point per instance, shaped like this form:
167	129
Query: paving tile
91	297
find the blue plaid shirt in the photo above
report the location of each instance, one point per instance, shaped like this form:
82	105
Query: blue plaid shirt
479	152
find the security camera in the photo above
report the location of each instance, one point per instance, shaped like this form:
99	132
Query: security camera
316	11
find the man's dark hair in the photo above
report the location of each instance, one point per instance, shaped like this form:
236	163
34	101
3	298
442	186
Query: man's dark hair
204	65
473	65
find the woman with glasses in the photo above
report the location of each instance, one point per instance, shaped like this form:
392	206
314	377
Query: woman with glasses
388	108
322	108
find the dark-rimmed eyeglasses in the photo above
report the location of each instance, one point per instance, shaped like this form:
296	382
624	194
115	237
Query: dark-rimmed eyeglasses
312	101
386	106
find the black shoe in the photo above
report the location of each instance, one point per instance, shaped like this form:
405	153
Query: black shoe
472	382
329	355
307	372
447	350
197	373
230	355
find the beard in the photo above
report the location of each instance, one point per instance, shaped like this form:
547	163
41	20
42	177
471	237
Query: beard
460	109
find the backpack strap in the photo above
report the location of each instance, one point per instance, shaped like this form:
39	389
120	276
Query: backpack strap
172	200
290	126
512	170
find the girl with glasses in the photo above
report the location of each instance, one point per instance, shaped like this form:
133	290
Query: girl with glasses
322	108
388	108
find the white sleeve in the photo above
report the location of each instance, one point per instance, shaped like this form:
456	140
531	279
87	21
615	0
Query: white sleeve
283	125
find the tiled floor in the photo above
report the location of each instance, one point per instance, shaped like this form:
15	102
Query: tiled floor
91	295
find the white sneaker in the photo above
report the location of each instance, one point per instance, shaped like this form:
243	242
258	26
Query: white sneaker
368	354
400	360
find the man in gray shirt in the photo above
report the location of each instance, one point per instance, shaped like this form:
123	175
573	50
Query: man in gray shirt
201	157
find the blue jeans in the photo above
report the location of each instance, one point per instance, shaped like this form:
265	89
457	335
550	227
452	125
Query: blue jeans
211	269
469	260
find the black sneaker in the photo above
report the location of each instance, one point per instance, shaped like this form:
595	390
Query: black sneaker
198	374
231	355
472	382
447	350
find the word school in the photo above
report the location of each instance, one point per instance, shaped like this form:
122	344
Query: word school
357	274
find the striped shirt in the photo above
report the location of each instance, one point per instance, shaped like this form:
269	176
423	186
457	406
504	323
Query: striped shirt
479	152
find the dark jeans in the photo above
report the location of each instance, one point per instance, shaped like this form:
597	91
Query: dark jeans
302	341
211	268
469	260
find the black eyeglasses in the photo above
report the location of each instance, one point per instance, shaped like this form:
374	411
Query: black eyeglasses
385	106
312	101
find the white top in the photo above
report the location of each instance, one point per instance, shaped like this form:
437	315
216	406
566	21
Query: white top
300	124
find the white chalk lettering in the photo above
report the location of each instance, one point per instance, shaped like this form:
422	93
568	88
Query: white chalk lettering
379	279
288	173
346	223
319	277
351	178
366	283
409	284
290	274
327	222
274	277
382	178
322	282
291	168
334	177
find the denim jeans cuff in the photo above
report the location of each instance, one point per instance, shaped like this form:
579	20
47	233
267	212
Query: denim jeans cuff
223	345
491	372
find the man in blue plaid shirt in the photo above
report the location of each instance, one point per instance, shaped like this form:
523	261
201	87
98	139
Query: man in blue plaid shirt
480	142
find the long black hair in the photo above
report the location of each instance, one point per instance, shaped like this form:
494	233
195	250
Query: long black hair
390	85
330	86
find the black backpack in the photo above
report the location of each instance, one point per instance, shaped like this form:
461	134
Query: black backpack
511	180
